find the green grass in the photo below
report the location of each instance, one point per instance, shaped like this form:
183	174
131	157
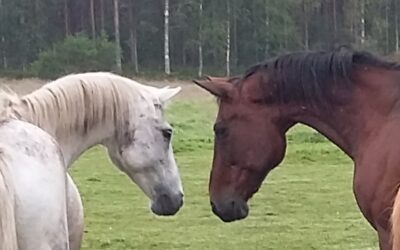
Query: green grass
306	203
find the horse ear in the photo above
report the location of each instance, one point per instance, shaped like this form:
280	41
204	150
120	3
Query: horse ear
217	79
166	93
219	87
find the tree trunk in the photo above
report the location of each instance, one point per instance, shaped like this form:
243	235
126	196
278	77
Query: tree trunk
166	38
102	21
3	44
306	31
183	48
183	55
267	22
334	16
72	9
352	21
285	32
132	16
362	40
117	38
387	26
228	40
235	36
92	19
82	16
37	9
66	18
254	33
396	25
200	72
4	55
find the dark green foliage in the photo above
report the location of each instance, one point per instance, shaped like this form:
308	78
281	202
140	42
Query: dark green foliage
75	54
259	29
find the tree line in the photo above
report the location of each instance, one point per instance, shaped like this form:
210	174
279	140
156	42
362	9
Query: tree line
195	36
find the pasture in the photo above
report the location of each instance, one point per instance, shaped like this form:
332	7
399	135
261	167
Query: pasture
306	203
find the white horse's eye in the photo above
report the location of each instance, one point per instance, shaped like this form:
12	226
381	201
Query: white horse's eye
167	133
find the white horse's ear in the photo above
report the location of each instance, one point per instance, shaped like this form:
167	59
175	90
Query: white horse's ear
165	94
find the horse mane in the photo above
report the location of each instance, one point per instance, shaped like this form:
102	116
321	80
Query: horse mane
79	102
309	77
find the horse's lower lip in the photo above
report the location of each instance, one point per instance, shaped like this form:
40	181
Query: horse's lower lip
164	212
229	218
230	211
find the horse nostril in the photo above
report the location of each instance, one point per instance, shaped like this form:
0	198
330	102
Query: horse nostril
164	197
180	200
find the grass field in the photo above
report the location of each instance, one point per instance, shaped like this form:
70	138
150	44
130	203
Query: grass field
306	203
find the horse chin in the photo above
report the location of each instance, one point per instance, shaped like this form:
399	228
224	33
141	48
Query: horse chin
231	210
231	219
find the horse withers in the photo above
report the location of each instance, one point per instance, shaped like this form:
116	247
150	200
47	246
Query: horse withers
351	97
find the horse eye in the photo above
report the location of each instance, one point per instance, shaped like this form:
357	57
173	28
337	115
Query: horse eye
220	131
167	133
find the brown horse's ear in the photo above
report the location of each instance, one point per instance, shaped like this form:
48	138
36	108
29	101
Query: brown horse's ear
217	79
230	79
215	86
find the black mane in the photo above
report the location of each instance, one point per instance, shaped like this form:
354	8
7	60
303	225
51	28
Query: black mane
309	77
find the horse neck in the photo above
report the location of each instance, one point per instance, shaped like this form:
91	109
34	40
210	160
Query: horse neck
77	143
349	125
339	127
72	143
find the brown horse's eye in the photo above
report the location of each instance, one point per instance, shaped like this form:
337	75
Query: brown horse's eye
220	130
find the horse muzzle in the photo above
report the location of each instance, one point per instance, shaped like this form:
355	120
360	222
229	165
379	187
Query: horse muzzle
166	204
230	210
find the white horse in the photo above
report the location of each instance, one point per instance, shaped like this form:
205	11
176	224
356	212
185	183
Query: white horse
83	110
33	206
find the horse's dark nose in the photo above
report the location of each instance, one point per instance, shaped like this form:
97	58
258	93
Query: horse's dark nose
230	210
166	205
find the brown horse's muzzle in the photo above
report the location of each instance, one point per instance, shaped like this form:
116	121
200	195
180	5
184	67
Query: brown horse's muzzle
230	210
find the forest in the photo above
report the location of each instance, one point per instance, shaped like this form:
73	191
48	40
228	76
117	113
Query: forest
191	37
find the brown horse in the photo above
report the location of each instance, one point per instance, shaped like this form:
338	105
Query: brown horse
353	98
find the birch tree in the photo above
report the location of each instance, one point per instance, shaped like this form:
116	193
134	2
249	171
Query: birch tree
228	39
132	16
396	24
66	18
166	38
200	48
102	18
305	23
362	21
92	19
117	37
